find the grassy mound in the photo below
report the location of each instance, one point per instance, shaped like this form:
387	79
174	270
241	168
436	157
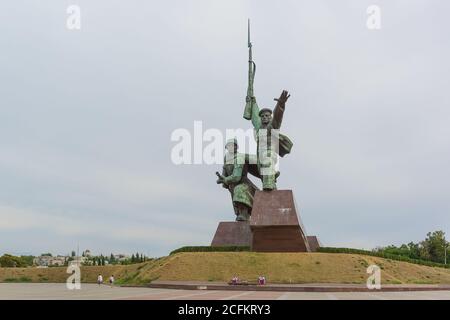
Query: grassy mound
59	274
287	268
221	266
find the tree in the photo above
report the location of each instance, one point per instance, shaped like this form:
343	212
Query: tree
400	251
431	249
73	253
434	245
414	249
10	261
27	260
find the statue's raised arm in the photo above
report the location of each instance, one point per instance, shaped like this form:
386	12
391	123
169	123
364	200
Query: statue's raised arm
278	111
266	122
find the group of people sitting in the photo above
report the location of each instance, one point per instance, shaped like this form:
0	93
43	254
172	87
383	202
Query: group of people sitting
236	281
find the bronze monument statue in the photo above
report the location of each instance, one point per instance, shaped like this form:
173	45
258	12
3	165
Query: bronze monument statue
267	220
234	178
270	143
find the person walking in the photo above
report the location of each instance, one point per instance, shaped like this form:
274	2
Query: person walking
99	279
111	281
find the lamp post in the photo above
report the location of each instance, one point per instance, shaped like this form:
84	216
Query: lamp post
445	251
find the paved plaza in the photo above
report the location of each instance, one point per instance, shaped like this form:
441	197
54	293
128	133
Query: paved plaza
59	291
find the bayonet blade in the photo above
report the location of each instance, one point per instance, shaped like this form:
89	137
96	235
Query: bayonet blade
248	35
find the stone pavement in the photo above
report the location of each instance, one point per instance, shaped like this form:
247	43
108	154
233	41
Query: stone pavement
304	287
51	291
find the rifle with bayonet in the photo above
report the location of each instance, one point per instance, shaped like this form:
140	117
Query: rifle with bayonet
250	99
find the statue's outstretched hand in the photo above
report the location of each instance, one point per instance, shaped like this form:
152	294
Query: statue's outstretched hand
283	98
250	99
221	179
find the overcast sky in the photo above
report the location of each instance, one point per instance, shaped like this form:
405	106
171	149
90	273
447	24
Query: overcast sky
86	117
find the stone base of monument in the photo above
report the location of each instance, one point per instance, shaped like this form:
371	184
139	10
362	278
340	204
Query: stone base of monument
314	243
274	226
275	223
233	233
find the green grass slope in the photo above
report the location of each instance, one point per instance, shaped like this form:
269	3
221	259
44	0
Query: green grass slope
222	266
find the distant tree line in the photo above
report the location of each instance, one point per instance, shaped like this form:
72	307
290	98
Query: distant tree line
10	261
102	260
138	258
135	258
430	249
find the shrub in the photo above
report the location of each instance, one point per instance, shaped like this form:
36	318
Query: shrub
382	255
21	279
211	249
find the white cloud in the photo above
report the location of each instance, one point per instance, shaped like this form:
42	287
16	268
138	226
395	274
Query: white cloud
12	218
85	136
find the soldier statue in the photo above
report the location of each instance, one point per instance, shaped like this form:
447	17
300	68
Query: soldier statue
234	178
270	143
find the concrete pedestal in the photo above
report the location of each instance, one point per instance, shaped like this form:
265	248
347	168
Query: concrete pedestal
233	233
275	224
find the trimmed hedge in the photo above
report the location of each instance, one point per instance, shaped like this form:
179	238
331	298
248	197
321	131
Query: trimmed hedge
383	255
321	249
211	249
